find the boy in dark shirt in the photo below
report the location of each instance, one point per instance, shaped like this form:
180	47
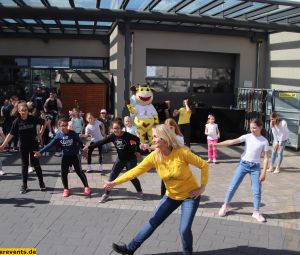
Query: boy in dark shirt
71	144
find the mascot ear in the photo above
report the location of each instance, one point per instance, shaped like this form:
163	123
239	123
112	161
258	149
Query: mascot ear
152	89
133	88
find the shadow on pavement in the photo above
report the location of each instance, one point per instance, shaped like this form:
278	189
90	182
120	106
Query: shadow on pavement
22	202
239	250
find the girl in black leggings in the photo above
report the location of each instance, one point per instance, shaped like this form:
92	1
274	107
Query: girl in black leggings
25	126
127	146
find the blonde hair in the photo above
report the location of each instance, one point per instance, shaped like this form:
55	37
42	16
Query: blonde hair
163	132
171	122
89	115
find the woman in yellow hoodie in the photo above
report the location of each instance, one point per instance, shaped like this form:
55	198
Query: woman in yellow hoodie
171	161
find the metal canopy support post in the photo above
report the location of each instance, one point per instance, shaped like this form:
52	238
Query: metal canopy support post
258	44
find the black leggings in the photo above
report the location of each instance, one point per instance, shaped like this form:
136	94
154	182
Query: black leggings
186	131
67	161
162	188
118	167
34	162
90	152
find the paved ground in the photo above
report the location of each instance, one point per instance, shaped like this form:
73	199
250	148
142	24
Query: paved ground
79	225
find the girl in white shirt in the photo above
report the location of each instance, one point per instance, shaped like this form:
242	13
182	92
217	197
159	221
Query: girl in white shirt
255	146
213	134
94	130
280	133
128	127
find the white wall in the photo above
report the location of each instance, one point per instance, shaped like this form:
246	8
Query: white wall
117	65
54	47
285	61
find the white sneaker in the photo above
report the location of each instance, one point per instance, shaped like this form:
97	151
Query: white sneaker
223	210
277	170
57	154
209	160
30	169
270	169
100	169
215	161
2	172
89	168
258	216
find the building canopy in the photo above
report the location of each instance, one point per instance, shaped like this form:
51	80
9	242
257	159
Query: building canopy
97	18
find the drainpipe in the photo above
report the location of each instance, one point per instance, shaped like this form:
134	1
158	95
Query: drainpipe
258	44
127	65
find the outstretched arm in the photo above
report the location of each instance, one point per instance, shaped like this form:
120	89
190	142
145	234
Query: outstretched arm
229	142
6	141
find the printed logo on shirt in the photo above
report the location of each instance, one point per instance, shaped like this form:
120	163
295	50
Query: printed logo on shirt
25	126
66	141
120	144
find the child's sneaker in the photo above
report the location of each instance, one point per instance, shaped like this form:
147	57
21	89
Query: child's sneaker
258	216
215	161
277	170
66	193
223	210
2	172
87	191
103	198
270	169
58	154
209	160
89	168
100	169
23	189
30	169
42	186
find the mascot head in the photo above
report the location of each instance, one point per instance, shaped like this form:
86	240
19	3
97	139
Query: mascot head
143	93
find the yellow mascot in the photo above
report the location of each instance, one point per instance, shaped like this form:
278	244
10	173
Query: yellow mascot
145	113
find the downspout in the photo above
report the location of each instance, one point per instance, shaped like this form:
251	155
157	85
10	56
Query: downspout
258	44
127	66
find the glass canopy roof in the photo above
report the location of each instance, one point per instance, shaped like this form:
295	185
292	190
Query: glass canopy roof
97	17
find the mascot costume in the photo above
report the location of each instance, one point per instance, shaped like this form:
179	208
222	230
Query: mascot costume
145	113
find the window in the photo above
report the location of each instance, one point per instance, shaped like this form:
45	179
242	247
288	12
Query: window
201	87
179	72
158	85
157	71
50	62
87	62
178	86
202	73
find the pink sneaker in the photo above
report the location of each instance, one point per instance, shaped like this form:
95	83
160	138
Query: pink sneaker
223	210
258	216
87	191
66	193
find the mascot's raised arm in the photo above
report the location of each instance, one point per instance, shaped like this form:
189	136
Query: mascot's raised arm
145	113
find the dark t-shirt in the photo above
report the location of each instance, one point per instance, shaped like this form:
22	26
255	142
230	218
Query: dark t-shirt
70	143
126	145
27	131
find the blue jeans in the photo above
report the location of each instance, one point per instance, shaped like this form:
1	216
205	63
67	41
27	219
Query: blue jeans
279	153
165	207
244	168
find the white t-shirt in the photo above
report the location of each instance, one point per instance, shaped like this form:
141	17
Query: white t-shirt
280	132
94	131
132	130
145	111
212	131
254	147
180	139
